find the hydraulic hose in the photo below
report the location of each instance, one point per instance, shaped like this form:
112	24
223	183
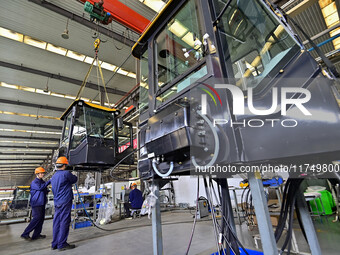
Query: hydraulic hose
154	162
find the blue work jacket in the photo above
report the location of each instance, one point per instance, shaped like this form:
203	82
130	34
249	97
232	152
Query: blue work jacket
39	192
136	199
62	182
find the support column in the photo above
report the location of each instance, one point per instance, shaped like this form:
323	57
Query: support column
307	223
97	177
268	241
157	238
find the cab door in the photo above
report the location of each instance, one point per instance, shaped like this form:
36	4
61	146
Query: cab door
124	144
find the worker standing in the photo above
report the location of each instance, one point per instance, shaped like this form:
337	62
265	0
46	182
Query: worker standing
38	202
62	182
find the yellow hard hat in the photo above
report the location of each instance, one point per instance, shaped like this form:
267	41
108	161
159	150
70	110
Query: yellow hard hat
39	170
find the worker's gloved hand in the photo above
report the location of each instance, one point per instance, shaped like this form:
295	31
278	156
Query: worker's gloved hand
74	173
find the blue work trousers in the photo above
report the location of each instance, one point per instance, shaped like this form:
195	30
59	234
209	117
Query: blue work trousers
61	225
38	214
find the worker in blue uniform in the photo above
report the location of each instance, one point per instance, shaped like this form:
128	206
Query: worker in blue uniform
135	197
62	182
38	202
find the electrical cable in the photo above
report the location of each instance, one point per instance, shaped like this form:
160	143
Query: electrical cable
213	214
119	68
195	219
229	226
217	143
119	162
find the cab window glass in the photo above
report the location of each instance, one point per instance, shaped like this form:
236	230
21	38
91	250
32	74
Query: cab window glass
178	45
256	41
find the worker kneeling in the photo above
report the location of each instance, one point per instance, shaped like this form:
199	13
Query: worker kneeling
62	182
135	197
38	202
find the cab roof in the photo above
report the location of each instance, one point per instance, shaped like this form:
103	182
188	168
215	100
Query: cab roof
138	48
95	106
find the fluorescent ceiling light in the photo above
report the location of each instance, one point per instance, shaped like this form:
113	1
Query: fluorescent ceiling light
122	71
56	49
11	34
331	17
30	131
25	150
189	39
75	55
40	91
28	89
18	157
329	9
29	115
108	66
155	5
57	94
178	29
132	75
88	60
18	165
10	86
70	97
34	142
34	42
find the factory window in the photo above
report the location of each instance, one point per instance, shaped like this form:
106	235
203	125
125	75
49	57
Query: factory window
254	41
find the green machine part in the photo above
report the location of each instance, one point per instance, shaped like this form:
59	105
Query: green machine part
96	12
327	203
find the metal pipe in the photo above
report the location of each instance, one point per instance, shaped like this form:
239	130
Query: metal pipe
326	41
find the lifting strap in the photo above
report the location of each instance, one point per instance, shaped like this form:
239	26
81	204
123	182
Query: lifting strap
96	45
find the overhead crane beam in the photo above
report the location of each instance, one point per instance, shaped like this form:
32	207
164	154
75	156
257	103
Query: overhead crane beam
12	123
32	105
30	138
16	163
24	153
62	78
84	22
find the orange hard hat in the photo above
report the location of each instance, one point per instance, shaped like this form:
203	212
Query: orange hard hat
134	184
62	160
39	170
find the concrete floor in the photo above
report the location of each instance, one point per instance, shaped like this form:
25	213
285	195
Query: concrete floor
133	237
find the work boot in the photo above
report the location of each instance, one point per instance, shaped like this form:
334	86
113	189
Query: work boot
67	247
27	238
39	237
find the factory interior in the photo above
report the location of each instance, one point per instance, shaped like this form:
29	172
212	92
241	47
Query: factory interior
206	127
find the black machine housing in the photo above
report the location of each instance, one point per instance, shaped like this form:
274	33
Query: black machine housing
257	52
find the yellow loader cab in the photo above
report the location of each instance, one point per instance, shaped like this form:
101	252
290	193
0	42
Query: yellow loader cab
92	134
